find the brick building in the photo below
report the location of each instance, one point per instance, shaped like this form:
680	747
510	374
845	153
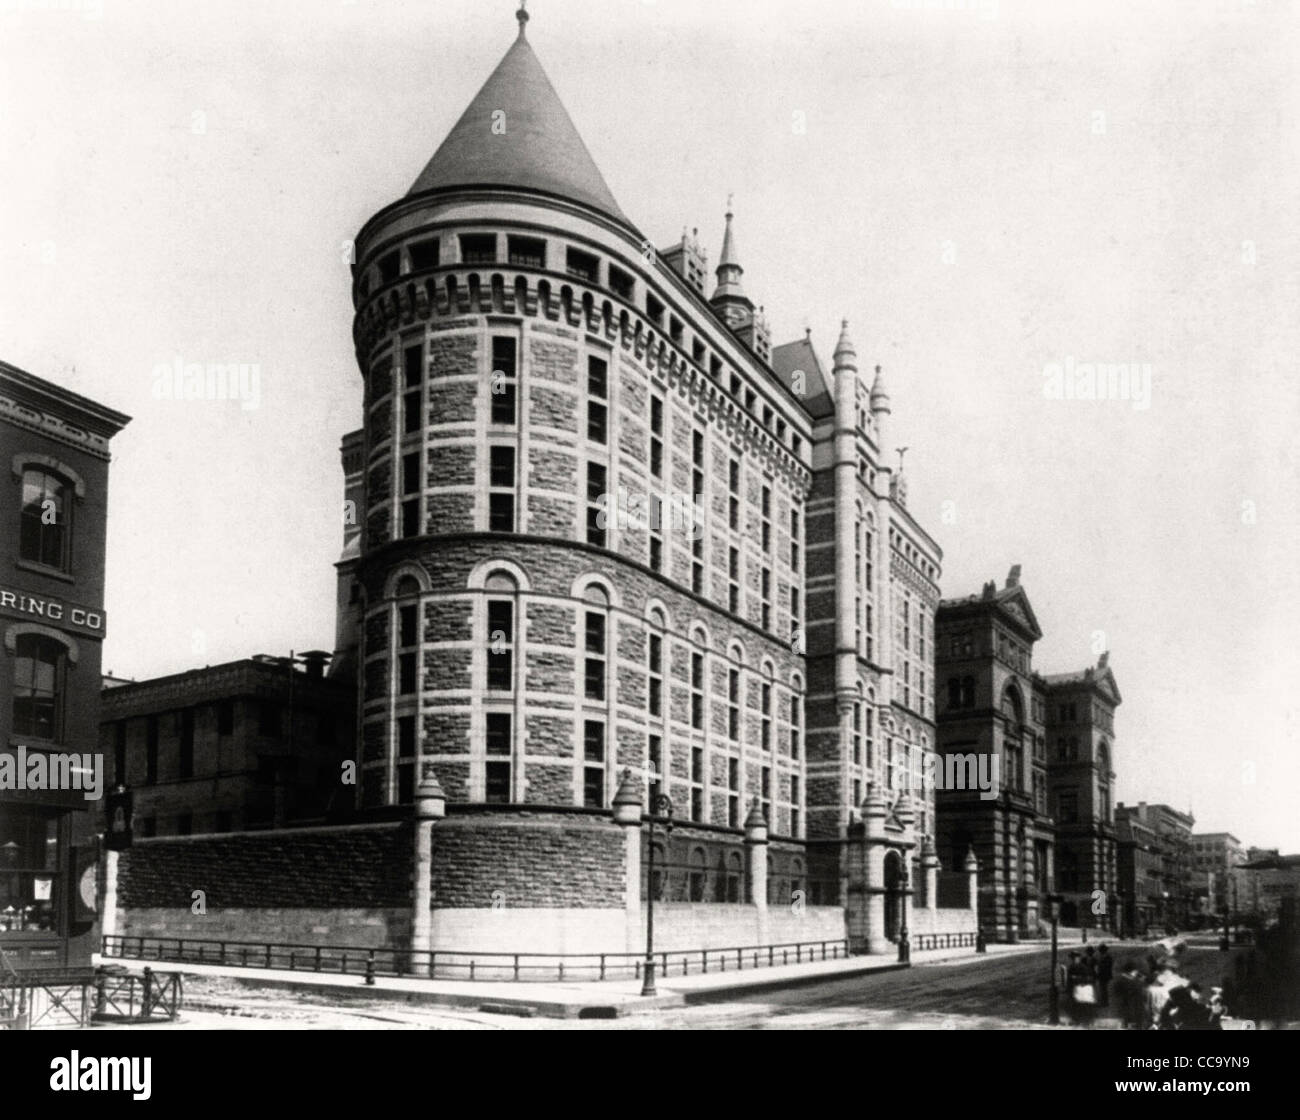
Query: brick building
1139	867
1173	831
606	525
246	745
1080	723
53	509
991	706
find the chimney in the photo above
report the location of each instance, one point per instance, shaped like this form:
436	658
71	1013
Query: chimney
990	590
315	661
1013	576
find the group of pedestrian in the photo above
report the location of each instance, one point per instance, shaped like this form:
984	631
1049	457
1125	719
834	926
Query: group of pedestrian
1158	997
1087	979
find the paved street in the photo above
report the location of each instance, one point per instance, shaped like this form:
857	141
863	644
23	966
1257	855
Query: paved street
993	992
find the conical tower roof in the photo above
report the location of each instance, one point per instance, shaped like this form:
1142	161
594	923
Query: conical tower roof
516	133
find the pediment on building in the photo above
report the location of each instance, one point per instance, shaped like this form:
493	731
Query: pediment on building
1015	602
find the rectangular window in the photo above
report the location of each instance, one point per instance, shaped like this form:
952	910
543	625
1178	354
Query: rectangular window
733	501
733	793
595	662
656	682
424	254
794	540
620	283
390	267
697	691
501	496
500	644
45	535
184	824
527	252
406	737
765	733
656	752
504	382
413	377
497	783
582	265
225	717
765	598
796	705
39	674
478	248
733	575
656	436
151	750
187	744
597	398
498	733
795	799
697	783
593	774
597	491
733	705
767	519
765	793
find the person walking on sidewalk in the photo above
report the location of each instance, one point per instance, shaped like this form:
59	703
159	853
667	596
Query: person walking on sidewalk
1105	970
1081	984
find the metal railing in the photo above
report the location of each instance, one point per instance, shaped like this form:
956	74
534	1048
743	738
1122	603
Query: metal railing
457	965
924	941
137	999
45	997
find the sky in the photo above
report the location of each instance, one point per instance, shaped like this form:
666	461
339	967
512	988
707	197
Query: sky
987	190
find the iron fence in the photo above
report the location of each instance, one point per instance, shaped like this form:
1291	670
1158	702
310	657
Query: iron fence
457	965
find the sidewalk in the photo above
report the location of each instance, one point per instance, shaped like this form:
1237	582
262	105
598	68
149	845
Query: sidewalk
560	1000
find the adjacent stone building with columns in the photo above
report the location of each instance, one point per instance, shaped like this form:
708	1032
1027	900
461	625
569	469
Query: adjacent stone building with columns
607	529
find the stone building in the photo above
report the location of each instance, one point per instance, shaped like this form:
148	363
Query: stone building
53	509
606	525
245	745
1216	857
1080	728
991	707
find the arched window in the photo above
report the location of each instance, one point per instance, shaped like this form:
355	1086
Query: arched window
735	876
502	596
45	534
968	692
596	697
40	670
697	875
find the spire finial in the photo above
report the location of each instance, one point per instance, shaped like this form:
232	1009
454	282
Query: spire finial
901	452
730	196
522	16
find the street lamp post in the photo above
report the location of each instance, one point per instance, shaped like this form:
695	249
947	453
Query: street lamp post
660	803
904	942
1054	992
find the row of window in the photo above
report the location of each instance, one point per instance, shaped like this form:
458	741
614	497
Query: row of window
599	506
531	252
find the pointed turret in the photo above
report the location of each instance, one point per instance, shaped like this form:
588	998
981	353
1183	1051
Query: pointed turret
729	298
516	133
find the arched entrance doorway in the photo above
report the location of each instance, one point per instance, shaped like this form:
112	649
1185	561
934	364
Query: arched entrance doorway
893	895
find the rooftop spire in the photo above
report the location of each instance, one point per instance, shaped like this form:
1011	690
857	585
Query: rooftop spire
522	16
729	270
845	353
879	394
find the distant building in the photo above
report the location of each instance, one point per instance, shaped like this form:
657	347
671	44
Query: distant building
1271	884
1080	778
53	509
990	706
1216	856
1140	871
245	745
1173	830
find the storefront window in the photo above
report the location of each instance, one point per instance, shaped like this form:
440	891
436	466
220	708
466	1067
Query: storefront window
29	870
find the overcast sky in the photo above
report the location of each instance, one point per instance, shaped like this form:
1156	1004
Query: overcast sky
984	190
